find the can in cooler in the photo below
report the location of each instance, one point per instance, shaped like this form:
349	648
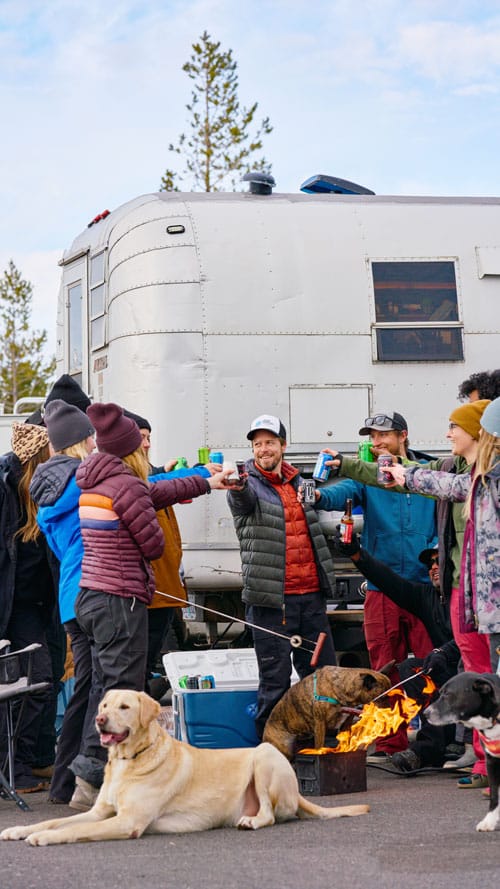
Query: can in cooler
207	682
384	477
321	471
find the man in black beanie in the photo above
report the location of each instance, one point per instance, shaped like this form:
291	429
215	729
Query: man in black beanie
67	389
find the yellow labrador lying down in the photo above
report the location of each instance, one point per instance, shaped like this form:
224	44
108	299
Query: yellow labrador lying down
155	784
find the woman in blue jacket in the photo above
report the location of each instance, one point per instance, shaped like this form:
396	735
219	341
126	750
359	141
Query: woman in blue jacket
54	490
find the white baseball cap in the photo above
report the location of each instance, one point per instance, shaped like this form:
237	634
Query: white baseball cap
269	424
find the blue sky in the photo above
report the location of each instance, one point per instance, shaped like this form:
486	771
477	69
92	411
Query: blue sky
401	96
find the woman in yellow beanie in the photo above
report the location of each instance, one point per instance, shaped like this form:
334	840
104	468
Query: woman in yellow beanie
475	554
27	588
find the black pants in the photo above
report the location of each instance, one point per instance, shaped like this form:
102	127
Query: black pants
159	622
118	632
431	740
81	708
305	616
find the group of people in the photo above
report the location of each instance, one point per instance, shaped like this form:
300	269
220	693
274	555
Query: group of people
90	551
88	538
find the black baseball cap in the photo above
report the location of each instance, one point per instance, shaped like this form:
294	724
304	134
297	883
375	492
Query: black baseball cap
391	421
427	555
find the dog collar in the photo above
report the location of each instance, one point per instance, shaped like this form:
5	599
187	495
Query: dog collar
322	698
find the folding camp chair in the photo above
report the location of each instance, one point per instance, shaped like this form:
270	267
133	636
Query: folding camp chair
15	686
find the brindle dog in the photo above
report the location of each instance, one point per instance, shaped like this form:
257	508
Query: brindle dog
303	710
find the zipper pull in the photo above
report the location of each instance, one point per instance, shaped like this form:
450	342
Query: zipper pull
283	616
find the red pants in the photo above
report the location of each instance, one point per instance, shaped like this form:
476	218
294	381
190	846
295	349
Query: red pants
391	633
475	651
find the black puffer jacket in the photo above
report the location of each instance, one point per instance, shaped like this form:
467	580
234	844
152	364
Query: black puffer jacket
259	521
28	571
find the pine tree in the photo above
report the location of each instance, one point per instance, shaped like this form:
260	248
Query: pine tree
220	147
23	368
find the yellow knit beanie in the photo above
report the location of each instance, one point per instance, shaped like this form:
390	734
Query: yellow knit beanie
468	416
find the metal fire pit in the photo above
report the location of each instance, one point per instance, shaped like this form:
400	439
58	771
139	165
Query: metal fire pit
325	774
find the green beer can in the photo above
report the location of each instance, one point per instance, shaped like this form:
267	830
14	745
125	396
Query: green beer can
364	452
203	455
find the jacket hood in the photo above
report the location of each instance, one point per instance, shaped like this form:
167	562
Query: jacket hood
51	478
98	467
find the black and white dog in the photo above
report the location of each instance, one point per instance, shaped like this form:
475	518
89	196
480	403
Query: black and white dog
474	700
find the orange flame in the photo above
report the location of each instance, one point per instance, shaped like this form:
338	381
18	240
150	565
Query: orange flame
375	722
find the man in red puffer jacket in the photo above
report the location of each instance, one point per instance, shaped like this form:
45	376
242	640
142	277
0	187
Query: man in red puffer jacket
287	567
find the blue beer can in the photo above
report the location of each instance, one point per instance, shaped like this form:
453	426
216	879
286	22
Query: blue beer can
321	471
207	682
216	457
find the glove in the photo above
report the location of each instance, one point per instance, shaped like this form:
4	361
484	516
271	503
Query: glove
436	660
436	664
346	549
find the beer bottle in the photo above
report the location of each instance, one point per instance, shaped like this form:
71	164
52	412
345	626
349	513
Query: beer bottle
347	523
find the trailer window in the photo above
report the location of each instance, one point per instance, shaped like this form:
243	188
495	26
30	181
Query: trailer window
75	327
416	311
97	301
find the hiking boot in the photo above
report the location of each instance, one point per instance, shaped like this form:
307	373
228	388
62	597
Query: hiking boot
30	784
84	796
406	761
379	757
467	759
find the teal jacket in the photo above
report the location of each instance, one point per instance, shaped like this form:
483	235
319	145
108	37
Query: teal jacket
396	526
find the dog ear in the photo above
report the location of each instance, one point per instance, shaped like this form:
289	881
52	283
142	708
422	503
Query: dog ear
150	709
484	687
369	681
387	668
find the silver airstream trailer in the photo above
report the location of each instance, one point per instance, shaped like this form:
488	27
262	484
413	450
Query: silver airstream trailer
201	311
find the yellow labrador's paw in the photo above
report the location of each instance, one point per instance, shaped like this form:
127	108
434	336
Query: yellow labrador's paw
488	823
41	838
15	833
246	823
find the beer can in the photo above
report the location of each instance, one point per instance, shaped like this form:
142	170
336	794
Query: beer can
207	682
382	476
216	457
203	455
365	452
193	682
240	467
309	491
320	471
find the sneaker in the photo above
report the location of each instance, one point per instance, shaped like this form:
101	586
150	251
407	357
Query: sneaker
454	750
84	796
486	792
467	759
406	761
379	757
473	781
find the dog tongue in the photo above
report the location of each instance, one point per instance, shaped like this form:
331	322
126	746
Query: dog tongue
111	738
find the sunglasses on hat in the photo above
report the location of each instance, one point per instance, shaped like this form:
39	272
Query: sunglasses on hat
383	421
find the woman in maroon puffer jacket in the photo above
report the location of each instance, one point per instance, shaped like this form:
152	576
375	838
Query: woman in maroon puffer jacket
121	535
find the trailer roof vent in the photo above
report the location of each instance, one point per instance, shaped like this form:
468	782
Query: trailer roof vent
322	184
260	183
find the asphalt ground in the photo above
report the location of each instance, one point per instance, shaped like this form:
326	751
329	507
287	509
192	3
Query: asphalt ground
420	832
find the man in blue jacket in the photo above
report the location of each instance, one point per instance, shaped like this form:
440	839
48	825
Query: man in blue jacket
396	529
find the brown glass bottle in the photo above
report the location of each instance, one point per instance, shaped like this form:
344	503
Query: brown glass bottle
347	523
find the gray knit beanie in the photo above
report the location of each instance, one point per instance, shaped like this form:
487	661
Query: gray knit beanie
66	424
490	421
